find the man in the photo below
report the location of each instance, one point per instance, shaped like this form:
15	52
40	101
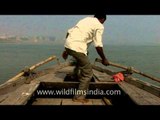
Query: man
86	31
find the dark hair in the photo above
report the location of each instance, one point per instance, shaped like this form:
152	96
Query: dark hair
100	16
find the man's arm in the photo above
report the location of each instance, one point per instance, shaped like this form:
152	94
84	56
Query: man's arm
101	54
65	55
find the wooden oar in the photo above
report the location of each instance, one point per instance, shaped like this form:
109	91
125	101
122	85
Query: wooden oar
133	70
32	68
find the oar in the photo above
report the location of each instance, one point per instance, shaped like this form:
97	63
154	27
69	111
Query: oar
133	70
32	68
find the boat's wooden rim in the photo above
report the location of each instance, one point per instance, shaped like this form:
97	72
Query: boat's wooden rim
19	80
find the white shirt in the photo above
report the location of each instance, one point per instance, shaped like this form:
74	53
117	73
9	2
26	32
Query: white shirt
86	31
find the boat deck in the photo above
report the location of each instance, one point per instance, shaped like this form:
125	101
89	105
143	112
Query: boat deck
65	101
54	79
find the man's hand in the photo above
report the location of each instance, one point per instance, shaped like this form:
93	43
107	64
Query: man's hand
65	55
105	62
101	54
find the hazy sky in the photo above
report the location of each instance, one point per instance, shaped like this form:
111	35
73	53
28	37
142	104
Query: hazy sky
119	29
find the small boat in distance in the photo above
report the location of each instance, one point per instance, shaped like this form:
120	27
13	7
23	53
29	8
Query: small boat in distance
55	86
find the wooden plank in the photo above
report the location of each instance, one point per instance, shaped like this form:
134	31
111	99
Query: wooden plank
11	86
46	74
144	85
73	85
56	76
47	101
102	76
53	69
3	97
91	102
98	102
70	102
21	95
133	95
66	70
67	101
138	95
52	77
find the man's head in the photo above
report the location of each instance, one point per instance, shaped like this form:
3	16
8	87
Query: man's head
101	17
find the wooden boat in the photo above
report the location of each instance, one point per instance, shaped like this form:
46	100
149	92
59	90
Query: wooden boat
54	86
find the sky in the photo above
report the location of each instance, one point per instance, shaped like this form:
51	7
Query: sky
119	29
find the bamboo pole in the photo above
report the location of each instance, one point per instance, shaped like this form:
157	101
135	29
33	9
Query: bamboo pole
32	68
134	70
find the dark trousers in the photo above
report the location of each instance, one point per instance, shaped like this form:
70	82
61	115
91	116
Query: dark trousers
86	73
